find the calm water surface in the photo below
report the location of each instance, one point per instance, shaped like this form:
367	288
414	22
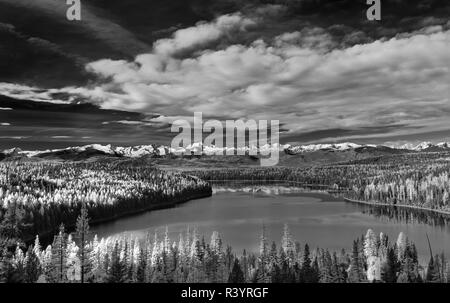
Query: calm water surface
317	219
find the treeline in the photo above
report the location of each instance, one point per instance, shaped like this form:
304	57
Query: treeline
45	194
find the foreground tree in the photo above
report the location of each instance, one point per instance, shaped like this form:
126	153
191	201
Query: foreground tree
118	270
82	231
236	275
356	271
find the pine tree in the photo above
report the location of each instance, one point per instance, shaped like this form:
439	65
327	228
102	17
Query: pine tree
326	274
47	265
82	231
390	267
7	272
18	262
263	271
236	275
288	244
401	246
32	266
356	272
336	271
117	270
141	267
11	226
59	257
372	258
308	274
38	249
73	263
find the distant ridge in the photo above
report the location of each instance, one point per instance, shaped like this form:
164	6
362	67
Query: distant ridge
315	150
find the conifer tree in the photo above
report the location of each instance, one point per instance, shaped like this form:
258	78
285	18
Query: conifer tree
82	231
141	267
117	270
7	272
59	257
356	272
308	274
390	267
236	275
288	244
372	258
73	263
32	266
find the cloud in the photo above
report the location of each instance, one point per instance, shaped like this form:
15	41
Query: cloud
5	124
23	92
61	137
202	34
300	78
14	137
93	22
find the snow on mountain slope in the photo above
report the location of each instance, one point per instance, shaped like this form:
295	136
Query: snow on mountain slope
199	148
425	146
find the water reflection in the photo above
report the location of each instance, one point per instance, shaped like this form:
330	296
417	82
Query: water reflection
391	213
409	216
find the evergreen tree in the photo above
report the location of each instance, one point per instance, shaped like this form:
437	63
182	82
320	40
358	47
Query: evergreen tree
18	262
73	263
11	226
141	268
356	272
32	266
117	270
326	273
337	271
288	244
7	272
308	273
59	257
236	275
390	267
82	231
372	258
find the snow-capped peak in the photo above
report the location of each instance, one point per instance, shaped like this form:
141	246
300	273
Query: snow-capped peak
316	147
200	148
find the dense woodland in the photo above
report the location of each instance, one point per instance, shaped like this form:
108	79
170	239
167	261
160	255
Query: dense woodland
46	194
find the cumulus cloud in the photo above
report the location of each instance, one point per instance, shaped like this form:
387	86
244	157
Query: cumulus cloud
202	34
300	78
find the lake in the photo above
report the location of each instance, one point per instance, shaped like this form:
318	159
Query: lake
314	218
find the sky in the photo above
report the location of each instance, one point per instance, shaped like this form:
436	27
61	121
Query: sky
128	69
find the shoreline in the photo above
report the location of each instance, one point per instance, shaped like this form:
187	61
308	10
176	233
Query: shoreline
46	237
442	212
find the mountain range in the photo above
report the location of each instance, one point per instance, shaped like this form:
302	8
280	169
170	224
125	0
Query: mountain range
88	151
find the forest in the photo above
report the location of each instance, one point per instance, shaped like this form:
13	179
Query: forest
37	197
79	258
46	194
